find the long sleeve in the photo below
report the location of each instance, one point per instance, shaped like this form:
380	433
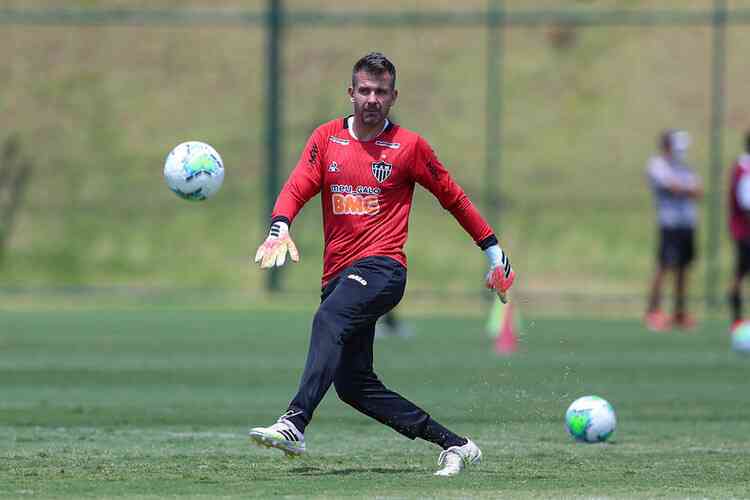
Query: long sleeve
303	183
431	174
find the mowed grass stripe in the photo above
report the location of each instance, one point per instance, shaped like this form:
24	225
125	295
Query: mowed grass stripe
150	405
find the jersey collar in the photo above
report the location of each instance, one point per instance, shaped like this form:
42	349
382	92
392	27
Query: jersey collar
348	120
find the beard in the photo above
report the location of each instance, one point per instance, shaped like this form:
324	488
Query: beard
372	117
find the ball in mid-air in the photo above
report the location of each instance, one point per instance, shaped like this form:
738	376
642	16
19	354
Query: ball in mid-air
741	338
194	170
590	419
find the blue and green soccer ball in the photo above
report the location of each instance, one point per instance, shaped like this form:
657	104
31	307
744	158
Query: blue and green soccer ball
590	419
741	338
194	171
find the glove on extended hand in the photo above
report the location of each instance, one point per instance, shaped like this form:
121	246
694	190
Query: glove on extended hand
273	251
500	276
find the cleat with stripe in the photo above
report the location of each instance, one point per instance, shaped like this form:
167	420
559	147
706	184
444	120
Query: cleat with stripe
456	458
282	435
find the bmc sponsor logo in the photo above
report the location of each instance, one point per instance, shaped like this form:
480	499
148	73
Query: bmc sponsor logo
355	204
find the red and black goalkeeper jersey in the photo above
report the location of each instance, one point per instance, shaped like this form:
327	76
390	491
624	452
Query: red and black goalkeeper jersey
366	192
739	224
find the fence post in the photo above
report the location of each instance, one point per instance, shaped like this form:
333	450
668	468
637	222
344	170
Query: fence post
15	172
495	20
274	140
718	70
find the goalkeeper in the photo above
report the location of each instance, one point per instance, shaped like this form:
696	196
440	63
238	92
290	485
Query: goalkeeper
365	168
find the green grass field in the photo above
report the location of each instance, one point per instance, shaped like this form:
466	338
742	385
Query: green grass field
157	404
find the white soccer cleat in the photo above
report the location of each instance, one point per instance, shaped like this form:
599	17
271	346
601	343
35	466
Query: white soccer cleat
455	458
282	435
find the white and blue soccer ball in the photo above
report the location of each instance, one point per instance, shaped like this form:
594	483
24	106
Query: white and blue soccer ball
741	338
194	171
590	419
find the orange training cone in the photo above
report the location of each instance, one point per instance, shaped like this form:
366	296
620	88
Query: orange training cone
506	341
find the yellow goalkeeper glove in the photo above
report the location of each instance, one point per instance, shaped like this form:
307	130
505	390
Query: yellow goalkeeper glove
273	251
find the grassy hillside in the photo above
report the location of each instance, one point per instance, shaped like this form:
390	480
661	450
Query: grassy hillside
99	107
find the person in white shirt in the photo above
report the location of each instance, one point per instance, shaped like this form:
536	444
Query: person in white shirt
676	188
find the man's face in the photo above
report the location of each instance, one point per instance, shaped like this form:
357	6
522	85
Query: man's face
372	96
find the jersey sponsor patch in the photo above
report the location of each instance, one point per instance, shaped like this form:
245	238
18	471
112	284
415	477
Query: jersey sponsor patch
354	204
392	145
337	140
348	188
381	170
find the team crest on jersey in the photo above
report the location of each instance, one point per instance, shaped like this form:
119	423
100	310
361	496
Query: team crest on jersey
381	170
334	167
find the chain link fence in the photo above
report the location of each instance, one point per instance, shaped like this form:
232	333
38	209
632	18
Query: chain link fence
546	115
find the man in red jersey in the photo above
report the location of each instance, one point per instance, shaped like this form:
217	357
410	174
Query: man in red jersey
365	168
739	227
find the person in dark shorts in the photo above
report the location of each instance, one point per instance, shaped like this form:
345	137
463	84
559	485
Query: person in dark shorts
739	228
676	188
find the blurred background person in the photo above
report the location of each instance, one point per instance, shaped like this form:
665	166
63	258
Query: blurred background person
392	325
676	188
739	228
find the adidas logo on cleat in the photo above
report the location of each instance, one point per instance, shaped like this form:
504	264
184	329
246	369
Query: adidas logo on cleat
282	435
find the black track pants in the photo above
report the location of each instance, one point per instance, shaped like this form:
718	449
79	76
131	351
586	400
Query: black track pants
342	341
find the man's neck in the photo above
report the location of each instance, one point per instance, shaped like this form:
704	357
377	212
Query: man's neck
363	133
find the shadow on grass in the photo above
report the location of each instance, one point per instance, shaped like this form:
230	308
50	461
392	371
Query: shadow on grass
317	471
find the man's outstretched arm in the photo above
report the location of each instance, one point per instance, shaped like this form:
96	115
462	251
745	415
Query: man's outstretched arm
431	174
303	183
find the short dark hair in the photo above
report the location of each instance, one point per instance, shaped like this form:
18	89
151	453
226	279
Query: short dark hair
374	63
747	141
